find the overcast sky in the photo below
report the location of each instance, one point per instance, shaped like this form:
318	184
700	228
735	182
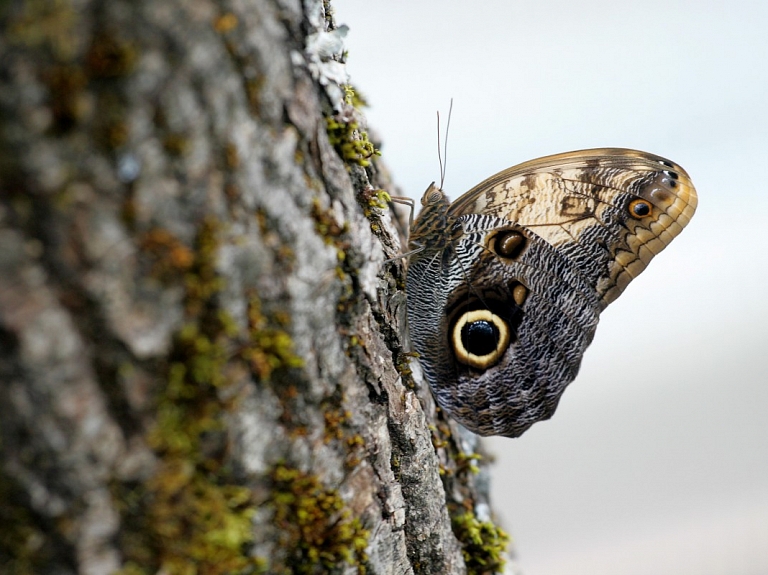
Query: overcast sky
657	459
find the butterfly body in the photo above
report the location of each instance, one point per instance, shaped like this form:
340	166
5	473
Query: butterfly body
506	285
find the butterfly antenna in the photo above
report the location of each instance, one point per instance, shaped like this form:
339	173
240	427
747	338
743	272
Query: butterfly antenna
444	163
439	153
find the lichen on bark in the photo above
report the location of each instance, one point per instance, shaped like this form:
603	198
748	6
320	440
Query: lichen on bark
204	357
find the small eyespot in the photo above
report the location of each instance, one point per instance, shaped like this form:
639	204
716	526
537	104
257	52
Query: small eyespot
479	338
659	194
640	208
509	244
519	293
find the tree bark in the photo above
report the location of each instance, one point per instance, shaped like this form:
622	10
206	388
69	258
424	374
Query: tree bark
203	364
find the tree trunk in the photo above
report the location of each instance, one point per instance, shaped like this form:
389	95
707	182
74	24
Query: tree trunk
203	363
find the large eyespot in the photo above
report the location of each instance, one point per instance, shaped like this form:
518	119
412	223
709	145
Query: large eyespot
640	208
480	338
508	244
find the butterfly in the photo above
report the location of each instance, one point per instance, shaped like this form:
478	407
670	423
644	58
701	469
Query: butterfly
505	285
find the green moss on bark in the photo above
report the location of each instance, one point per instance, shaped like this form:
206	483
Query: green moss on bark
317	530
484	544
191	516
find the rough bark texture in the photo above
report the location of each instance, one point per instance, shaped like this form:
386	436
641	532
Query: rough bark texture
202	358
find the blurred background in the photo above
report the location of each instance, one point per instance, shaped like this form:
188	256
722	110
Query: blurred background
657	459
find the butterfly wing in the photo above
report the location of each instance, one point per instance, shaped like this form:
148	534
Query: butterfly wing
506	293
581	202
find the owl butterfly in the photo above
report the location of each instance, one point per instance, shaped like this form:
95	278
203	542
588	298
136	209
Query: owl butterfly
506	285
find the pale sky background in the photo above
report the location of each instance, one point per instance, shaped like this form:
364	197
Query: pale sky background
657	459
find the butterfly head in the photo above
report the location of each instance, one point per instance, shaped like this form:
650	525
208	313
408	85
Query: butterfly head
434	197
